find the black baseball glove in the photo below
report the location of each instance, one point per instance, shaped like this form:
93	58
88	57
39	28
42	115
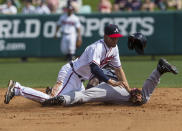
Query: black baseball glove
138	42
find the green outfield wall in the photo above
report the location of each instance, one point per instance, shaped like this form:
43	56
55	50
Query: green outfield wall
33	35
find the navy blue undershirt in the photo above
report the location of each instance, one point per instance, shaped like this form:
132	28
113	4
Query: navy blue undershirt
97	71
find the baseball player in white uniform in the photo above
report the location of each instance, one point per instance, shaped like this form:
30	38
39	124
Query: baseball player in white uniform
93	59
70	31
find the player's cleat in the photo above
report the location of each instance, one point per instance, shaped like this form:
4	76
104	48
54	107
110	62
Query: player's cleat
10	93
48	90
164	66
58	100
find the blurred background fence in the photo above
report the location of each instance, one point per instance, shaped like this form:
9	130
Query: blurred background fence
33	35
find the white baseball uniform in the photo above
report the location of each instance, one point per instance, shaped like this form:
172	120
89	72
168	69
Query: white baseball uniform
71	80
68	24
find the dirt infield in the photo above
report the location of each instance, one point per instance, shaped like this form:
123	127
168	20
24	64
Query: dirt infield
162	113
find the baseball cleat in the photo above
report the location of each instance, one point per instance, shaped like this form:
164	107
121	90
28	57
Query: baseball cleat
10	93
164	66
58	100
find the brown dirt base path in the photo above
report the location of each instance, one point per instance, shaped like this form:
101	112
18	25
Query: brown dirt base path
162	113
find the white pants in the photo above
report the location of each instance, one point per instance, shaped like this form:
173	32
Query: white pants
68	44
70	83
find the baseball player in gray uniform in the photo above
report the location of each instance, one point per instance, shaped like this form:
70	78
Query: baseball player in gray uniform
119	95
93	59
70	31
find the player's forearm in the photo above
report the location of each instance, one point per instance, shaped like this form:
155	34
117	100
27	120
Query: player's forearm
79	33
95	69
119	83
127	88
120	74
114	83
122	77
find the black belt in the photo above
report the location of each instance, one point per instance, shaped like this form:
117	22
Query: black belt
79	76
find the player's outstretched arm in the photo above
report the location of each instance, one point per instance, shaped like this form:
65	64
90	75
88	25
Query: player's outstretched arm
122	78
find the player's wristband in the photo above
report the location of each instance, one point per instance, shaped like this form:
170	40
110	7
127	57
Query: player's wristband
97	71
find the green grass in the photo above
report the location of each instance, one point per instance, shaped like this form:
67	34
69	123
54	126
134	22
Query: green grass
138	71
43	72
33	74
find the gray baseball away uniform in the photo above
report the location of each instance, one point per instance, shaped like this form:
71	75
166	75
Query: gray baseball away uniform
107	93
102	93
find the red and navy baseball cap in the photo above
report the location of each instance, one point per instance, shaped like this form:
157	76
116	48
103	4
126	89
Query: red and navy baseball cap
112	31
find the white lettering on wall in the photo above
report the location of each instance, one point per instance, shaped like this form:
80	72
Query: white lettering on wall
5	27
49	26
126	25
32	28
147	25
91	25
15	30
122	25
